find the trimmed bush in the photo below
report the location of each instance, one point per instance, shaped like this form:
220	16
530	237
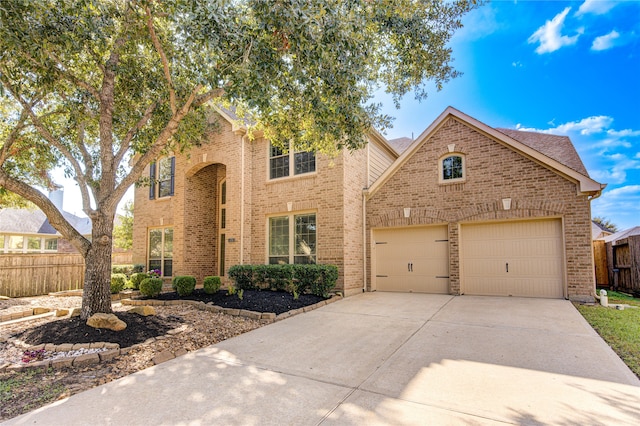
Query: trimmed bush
151	287
298	279
212	284
243	276
184	284
122	269
117	283
138	267
136	278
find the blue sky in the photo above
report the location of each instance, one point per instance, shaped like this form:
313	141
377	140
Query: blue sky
563	67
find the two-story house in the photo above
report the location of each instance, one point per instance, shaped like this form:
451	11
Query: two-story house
462	209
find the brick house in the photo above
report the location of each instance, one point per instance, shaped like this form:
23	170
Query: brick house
463	209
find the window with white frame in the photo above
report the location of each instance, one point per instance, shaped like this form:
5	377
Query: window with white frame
291	163
162	178
292	239
161	251
27	244
452	168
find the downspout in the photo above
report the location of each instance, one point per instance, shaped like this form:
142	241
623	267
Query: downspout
364	240
242	201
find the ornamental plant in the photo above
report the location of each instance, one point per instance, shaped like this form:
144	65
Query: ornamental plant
151	287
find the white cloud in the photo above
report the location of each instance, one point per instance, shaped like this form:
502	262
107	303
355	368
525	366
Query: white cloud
623	191
516	64
586	126
606	41
595	7
478	23
616	173
549	35
623	133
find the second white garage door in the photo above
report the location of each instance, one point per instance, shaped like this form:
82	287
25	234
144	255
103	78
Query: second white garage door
412	259
513	259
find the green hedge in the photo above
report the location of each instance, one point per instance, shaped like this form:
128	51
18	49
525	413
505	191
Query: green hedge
122	269
297	279
212	284
151	287
136	278
184	284
117	283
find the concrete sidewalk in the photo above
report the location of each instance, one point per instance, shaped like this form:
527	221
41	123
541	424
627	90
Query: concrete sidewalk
382	358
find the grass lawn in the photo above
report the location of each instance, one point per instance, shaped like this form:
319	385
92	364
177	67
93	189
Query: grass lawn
620	329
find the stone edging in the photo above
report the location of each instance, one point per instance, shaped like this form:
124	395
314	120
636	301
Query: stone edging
113	349
263	317
24	314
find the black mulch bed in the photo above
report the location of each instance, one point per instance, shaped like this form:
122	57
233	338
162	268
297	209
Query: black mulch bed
252	300
75	330
139	328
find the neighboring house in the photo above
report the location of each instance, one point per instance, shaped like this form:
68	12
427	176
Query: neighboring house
462	209
598	231
29	230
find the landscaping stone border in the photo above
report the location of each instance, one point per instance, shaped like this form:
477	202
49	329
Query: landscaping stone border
115	350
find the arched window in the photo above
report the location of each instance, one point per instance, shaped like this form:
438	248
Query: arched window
452	168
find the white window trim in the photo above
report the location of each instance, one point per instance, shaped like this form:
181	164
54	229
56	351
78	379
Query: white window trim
291	216
162	258
292	166
441	179
25	244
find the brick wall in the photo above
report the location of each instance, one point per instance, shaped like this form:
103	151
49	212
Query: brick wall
493	172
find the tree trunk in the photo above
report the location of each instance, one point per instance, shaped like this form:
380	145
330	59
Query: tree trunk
96	296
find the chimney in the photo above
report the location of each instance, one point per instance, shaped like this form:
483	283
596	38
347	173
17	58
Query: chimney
57	197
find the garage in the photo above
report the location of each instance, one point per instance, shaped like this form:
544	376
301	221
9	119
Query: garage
519	258
414	259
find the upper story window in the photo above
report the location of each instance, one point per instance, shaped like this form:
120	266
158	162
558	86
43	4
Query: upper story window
452	168
162	177
291	163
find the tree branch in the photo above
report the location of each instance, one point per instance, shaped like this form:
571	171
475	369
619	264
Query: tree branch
44	132
126	142
163	58
56	219
12	137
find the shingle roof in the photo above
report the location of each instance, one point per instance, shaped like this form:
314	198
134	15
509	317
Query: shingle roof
556	147
26	221
623	234
400	144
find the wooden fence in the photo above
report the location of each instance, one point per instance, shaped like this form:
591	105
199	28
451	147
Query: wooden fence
600	262
623	257
37	274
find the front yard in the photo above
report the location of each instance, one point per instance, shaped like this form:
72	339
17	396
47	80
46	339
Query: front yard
619	328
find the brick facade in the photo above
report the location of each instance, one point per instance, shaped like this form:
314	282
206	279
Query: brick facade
493	172
334	192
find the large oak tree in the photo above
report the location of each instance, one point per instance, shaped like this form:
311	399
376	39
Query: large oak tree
103	87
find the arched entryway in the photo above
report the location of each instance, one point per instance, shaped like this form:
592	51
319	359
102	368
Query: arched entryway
204	221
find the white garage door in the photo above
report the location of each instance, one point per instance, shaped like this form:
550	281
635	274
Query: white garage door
513	259
412	259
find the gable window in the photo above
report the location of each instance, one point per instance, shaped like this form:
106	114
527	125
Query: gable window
292	239
162	178
452	168
291	163
161	250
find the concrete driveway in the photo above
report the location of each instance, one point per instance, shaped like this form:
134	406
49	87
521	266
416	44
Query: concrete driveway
382	358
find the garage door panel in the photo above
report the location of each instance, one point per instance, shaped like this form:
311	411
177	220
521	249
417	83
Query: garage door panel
513	258
412	259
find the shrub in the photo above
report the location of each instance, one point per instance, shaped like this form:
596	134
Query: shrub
296	279
243	276
151	287
212	284
117	283
136	278
122	269
138	267
184	284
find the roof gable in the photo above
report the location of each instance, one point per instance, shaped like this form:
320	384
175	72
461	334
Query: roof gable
586	185
34	221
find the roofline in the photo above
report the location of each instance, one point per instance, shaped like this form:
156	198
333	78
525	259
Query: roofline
586	185
378	137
